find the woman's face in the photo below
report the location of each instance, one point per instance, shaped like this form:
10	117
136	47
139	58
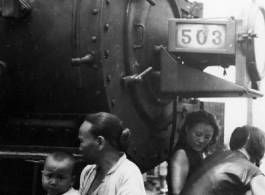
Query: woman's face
199	136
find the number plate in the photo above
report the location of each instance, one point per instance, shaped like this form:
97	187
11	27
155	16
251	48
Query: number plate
201	36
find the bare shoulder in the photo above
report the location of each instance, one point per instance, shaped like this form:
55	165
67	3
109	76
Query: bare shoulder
180	156
258	185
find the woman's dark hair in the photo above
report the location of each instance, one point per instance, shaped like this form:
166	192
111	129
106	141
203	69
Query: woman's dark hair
195	118
252	138
109	126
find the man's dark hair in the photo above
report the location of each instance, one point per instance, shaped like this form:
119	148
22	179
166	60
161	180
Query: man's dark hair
109	126
252	138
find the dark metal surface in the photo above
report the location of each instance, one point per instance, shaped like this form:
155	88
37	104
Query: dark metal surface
188	82
38	53
130	44
68	58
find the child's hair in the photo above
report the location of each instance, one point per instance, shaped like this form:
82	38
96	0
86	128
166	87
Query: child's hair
61	156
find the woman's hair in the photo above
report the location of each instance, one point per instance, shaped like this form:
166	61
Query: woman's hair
252	138
110	127
195	118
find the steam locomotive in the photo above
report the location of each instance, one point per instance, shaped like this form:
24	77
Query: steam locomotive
63	59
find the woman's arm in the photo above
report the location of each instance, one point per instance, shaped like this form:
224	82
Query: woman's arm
257	185
179	167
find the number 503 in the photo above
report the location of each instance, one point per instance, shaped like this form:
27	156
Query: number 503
201	37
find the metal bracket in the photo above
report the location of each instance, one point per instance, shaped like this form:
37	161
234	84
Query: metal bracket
246	36
193	5
87	59
135	78
191	10
188	82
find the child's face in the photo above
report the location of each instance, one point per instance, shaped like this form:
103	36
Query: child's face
57	176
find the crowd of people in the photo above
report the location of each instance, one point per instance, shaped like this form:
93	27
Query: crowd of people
191	169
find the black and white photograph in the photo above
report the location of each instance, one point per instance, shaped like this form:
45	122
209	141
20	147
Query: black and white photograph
132	97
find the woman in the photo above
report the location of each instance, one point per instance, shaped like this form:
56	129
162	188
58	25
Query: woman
199	131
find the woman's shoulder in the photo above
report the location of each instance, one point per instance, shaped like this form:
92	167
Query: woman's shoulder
181	151
180	155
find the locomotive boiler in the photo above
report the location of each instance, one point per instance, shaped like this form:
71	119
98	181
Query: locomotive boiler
63	59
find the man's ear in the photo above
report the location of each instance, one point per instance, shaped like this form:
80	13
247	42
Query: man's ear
101	142
73	180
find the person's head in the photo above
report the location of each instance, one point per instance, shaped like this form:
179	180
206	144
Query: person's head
58	173
252	139
101	131
199	130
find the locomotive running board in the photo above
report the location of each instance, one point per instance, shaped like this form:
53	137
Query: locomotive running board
185	81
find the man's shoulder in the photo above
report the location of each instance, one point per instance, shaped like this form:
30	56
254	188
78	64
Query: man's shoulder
128	163
129	168
72	191
87	169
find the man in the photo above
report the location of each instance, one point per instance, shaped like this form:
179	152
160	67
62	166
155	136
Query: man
232	172
103	142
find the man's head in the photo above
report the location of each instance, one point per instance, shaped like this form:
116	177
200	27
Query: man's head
252	139
58	173
101	131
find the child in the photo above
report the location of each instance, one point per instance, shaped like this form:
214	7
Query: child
58	174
